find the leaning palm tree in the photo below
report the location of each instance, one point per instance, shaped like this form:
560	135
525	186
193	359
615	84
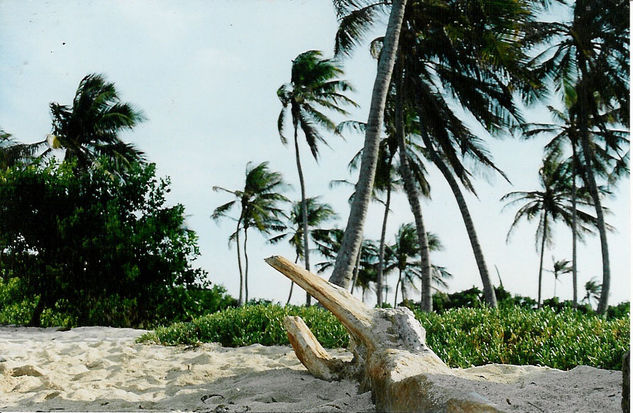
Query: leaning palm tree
90	127
314	86
318	214
342	273
259	207
593	291
470	51
551	204
591	53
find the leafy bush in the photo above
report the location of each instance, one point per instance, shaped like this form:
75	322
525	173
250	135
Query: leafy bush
15	307
466	337
98	248
251	324
461	337
181	304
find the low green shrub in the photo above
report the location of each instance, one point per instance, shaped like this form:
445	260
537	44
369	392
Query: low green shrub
251	324
561	339
178	304
461	337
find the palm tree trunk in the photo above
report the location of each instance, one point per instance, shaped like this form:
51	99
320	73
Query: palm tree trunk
426	298
590	180
606	270
414	202
292	283
573	225
540	270
239	259
304	213
489	292
350	245
245	266
356	267
381	261
395	295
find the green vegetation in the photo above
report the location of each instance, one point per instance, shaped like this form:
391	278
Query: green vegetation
461	337
183	304
261	323
92	246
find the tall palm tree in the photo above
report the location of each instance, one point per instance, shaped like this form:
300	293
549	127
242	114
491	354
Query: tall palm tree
565	132
318	214
591	52
90	127
469	50
259	207
342	273
314	86
403	256
389	175
551	204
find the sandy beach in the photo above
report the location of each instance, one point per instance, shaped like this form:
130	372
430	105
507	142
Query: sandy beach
103	369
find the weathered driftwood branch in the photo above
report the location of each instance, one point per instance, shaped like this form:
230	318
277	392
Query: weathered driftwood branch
390	354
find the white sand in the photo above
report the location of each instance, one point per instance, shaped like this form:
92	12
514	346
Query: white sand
102	369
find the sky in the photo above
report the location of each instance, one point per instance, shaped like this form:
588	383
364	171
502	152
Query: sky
205	74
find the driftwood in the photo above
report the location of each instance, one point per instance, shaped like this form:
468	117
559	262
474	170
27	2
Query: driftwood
391	357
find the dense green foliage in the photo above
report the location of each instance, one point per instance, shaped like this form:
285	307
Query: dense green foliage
251	324
17	306
513	335
461	337
97	248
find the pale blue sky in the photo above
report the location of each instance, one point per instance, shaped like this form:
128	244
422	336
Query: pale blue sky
205	73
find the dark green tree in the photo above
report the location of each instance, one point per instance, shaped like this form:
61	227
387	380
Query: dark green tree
403	256
93	246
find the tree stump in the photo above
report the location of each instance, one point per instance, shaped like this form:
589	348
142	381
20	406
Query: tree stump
391	357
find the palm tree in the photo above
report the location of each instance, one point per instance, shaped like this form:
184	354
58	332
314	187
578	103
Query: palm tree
403	256
565	132
314	86
90	127
259	207
342	273
593	292
469	49
559	267
551	204
318	213
591	54
12	152
328	243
